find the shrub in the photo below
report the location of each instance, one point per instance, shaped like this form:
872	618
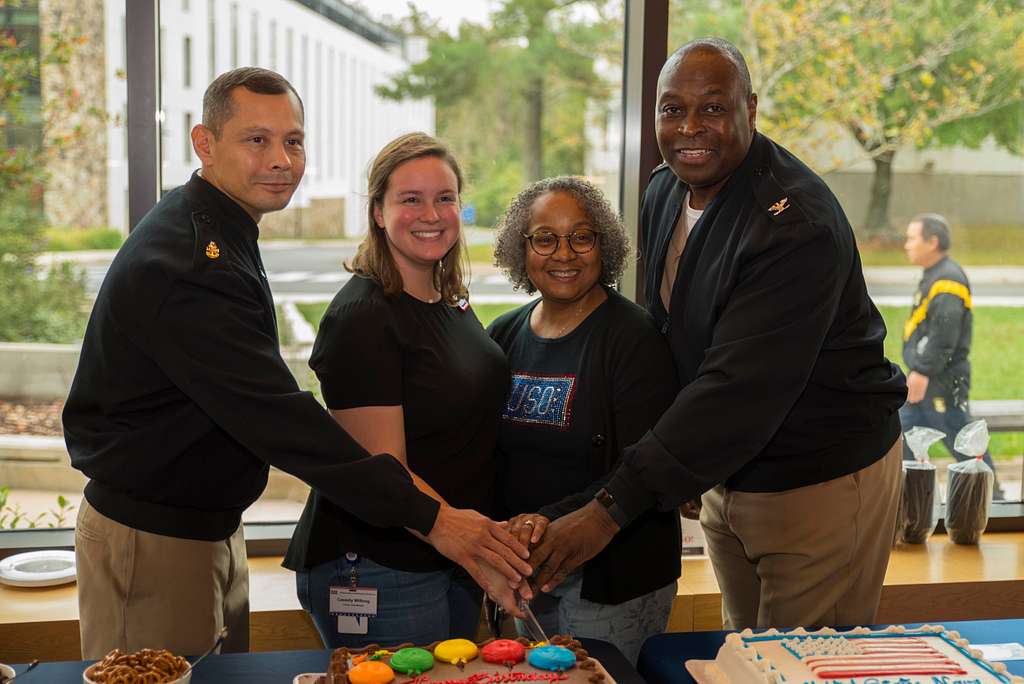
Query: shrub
38	305
77	239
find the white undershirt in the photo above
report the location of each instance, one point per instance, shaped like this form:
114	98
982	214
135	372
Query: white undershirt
676	244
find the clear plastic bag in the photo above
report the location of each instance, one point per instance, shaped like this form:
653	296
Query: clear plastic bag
969	495
919	512
919	506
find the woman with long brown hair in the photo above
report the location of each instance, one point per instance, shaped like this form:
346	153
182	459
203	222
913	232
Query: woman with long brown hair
407	369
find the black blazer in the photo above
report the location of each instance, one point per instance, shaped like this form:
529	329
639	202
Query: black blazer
777	345
181	398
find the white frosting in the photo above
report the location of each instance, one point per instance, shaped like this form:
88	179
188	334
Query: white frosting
861	656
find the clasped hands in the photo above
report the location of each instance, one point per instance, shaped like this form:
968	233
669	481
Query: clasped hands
495	554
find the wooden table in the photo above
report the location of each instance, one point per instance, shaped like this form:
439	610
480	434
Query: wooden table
931	582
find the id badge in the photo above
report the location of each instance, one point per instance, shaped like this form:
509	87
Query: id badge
354	607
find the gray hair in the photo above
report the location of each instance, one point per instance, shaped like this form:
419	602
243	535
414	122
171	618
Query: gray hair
722	47
510	241
934	226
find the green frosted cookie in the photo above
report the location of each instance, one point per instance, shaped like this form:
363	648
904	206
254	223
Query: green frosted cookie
412	660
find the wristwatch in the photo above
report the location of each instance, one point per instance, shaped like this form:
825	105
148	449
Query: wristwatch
607	499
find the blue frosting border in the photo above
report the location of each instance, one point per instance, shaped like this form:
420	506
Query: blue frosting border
879	635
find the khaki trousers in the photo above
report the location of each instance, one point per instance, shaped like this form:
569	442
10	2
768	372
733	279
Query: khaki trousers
142	590
804	557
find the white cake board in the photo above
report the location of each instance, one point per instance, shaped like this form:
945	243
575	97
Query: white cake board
698	669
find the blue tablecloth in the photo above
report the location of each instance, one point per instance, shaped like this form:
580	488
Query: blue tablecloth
662	657
280	667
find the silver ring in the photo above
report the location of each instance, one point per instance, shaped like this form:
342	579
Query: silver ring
528	522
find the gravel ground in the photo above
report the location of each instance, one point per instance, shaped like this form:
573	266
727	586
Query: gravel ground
31	418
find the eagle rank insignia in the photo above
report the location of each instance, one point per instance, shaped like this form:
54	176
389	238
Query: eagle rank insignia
779	207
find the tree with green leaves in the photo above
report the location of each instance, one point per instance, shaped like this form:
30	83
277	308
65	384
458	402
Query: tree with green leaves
38	305
528	76
885	73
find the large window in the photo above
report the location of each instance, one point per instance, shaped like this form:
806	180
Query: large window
537	98
62	153
902	108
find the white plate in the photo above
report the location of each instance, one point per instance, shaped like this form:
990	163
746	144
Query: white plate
38	569
308	678
6	671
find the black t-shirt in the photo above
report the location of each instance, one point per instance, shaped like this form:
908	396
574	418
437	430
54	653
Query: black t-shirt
451	379
546	422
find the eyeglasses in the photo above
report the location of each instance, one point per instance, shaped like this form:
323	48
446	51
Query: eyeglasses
545	243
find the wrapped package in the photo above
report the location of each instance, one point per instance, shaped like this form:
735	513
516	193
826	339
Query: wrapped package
969	489
919	514
919	505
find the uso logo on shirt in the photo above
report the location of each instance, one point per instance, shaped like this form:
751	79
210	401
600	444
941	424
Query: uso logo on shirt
541	399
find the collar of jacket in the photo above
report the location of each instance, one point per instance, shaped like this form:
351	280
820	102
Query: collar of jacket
207	197
934	267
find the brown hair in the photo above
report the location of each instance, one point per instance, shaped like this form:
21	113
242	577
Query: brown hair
373	259
219	106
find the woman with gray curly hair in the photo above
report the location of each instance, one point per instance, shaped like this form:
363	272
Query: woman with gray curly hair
590	375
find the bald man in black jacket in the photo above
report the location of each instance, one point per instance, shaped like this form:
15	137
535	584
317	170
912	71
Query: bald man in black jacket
787	421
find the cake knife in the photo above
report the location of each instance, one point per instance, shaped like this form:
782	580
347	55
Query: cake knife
532	625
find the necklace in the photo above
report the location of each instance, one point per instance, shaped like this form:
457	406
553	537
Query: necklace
572	321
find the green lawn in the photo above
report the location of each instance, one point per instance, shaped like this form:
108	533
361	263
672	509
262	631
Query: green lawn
983	245
77	239
997	357
481	253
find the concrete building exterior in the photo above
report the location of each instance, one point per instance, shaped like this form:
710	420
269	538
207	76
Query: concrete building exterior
333	55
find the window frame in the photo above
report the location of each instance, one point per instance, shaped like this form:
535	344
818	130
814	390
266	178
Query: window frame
645	49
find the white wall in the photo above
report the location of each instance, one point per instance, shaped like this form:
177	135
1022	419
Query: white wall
334	70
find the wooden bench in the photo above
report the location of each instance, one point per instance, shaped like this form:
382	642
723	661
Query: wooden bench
1002	415
928	582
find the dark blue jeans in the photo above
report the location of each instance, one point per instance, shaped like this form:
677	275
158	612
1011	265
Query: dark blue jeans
416	607
950	421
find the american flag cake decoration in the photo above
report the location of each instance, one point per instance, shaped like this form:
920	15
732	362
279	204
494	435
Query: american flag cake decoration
892	655
837	657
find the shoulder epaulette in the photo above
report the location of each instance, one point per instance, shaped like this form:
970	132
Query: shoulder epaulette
208	248
773	199
659	167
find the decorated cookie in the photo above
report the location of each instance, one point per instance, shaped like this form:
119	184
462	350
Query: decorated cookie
554	658
504	652
412	660
371	672
456	651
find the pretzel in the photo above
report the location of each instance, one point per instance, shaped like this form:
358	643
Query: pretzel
147	666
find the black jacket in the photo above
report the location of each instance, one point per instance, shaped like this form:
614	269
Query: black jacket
630	376
937	335
181	397
777	346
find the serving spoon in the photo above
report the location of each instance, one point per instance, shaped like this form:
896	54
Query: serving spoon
221	635
26	670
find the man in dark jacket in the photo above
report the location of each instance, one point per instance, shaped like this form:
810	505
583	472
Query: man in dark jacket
181	401
787	421
937	337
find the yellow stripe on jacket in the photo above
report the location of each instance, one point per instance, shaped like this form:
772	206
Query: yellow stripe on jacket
918	315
